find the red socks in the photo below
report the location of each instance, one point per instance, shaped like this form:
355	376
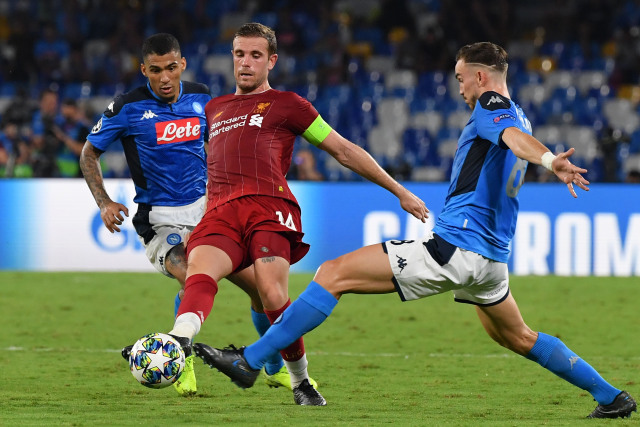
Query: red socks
296	350
199	293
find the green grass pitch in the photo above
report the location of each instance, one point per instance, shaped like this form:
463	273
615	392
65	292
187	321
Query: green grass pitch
378	361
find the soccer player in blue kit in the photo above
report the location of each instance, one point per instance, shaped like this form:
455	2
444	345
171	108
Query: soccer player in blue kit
162	126
467	251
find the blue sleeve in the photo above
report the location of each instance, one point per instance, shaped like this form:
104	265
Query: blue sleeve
490	124
109	129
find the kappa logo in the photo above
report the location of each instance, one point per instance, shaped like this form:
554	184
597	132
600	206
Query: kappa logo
148	115
256	120
573	360
494	99
402	263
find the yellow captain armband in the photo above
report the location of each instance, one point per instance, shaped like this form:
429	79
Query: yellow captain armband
317	131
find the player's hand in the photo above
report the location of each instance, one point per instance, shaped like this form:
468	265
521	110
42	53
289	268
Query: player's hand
111	215
569	173
414	205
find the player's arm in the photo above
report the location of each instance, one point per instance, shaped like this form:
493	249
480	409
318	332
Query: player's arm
92	171
358	160
74	146
530	149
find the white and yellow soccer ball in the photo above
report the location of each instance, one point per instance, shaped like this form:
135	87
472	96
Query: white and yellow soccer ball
156	360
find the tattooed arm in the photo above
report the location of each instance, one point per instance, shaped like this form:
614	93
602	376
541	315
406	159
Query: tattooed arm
110	211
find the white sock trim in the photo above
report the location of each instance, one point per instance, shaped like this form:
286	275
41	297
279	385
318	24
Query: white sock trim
186	325
297	370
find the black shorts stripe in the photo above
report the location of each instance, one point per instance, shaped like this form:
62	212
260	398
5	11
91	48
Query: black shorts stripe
141	223
440	250
464	301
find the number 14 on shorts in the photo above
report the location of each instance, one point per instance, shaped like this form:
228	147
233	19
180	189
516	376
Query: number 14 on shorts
288	223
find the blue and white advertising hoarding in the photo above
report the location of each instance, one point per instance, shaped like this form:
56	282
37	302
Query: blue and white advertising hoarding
54	225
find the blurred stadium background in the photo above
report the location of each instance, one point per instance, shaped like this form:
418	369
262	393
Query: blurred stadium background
379	71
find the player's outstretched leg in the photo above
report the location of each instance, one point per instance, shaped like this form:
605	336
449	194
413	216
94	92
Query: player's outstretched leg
552	354
503	322
621	407
230	361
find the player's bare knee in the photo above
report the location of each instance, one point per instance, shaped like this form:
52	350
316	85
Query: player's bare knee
273	297
331	275
176	263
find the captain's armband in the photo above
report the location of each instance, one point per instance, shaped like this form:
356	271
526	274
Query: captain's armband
317	131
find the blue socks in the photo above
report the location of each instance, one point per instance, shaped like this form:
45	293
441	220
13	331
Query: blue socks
311	308
262	324
176	305
552	354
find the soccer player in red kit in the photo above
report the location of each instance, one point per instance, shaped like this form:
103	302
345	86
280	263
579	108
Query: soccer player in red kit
252	217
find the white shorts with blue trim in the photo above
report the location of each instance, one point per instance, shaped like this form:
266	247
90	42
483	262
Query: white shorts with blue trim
171	225
432	266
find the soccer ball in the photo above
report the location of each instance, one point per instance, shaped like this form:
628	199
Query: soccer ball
156	360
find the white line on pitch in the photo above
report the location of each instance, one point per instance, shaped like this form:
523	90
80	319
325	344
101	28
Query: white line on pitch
317	353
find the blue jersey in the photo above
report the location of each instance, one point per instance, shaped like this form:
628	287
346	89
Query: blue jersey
163	143
481	207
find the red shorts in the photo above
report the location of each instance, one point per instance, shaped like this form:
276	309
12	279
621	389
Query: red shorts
233	226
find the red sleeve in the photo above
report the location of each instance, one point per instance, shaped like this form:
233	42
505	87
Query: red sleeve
302	114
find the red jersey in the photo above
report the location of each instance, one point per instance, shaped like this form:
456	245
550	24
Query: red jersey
251	140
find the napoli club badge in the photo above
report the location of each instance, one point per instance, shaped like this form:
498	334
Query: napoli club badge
174	239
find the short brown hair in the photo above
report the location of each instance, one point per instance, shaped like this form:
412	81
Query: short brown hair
255	29
485	53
